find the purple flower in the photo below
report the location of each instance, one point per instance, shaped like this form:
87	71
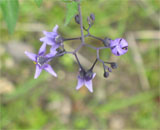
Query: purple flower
52	38
118	46
85	78
41	60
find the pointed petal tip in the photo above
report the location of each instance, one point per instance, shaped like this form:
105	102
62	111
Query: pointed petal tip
91	91
55	28
42	49
49	69
35	77
77	88
94	74
31	56
55	75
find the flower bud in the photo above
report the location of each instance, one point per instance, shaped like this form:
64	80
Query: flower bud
109	69
106	74
92	16
107	42
113	65
77	19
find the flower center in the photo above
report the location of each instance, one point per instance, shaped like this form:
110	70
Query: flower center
88	75
125	48
41	60
58	39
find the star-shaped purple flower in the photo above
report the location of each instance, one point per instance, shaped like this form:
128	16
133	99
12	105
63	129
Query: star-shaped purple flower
41	60
52	38
118	46
85	78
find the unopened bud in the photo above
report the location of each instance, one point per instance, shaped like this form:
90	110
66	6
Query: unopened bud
77	19
107	42
92	16
113	65
106	74
109	69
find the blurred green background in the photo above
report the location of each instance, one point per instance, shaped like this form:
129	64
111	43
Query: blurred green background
128	99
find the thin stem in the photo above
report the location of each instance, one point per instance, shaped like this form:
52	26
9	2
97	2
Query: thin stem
78	61
102	63
88	45
100	48
97	53
94	64
79	47
76	38
96	38
81	23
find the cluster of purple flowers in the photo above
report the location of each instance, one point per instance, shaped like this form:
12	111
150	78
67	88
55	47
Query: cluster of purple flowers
118	47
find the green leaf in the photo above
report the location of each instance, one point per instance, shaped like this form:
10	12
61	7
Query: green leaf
10	13
38	2
72	10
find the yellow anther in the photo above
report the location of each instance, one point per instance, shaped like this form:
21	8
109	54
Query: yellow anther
34	62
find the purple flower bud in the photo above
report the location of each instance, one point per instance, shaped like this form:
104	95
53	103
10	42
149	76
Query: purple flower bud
107	42
77	19
109	69
119	46
106	74
113	65
92	16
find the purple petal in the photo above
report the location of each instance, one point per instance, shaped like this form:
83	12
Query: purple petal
38	72
47	40
49	69
88	84
55	29
113	43
49	55
53	49
31	55
48	34
80	83
94	74
42	50
123	43
117	51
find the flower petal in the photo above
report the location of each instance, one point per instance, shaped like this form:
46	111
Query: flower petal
55	29
123	43
42	50
31	55
47	40
49	69
80	83
38	72
49	55
48	34
88	84
53	49
94	74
